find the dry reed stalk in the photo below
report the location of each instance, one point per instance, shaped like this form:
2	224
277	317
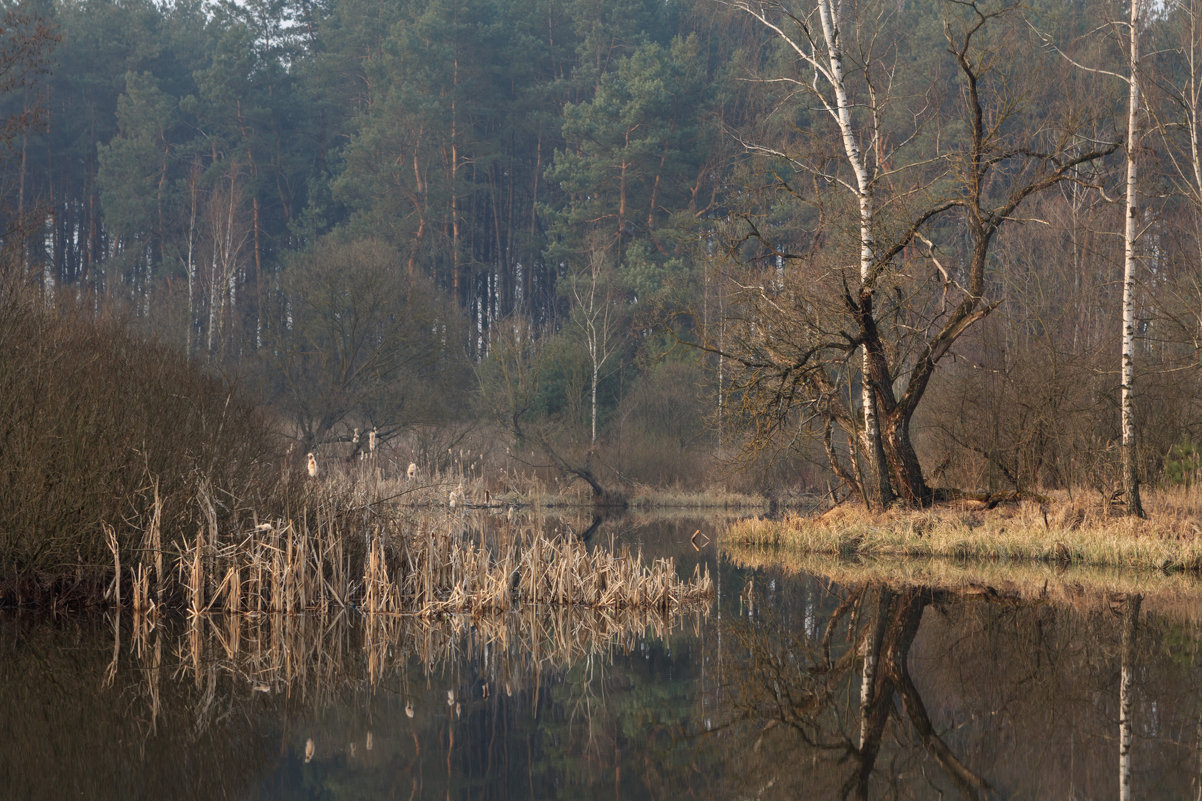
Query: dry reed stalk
231	587
141	591
276	576
110	539
289	578
195	582
154	541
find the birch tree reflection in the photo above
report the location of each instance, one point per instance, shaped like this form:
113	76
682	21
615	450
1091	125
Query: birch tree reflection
848	694
1131	606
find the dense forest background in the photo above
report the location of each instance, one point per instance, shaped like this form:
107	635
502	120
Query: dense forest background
497	221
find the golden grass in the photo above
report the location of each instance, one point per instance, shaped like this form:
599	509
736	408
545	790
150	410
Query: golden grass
1057	530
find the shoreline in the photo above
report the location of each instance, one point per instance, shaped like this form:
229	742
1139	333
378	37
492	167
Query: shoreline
1050	531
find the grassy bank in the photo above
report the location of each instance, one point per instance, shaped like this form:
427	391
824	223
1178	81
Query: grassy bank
1059	530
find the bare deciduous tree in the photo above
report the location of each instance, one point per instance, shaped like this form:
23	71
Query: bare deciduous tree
595	314
925	219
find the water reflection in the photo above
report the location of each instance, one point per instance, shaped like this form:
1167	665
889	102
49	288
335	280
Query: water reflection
794	685
909	691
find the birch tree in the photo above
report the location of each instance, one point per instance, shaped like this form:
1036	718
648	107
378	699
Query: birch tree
818	46
931	190
1131	231
595	315
226	238
1130	235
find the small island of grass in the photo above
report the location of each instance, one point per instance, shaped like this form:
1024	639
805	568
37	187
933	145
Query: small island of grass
1055	529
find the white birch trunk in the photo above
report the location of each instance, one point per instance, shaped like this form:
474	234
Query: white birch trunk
596	369
879	491
1127	376
214	288
190	257
595	323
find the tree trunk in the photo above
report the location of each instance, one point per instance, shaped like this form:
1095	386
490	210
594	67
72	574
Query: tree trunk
593	401
1127	379
908	480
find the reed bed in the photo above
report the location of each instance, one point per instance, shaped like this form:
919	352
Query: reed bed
387	478
424	564
1057	530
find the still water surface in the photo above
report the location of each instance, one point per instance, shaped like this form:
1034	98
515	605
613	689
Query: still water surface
984	694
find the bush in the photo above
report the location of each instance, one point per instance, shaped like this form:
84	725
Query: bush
93	422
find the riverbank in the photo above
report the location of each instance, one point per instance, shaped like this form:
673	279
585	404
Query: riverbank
1057	529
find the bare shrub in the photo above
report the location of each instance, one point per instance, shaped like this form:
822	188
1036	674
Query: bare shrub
94	423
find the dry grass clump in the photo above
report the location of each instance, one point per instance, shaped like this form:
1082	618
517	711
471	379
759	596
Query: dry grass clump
714	498
1059	530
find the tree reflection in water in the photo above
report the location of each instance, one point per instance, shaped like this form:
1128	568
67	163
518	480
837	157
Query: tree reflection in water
805	684
916	692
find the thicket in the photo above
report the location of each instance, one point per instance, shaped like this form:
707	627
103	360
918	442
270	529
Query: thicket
100	428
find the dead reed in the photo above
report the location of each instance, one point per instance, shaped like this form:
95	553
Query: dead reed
337	558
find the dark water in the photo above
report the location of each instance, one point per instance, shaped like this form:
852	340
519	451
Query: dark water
981	696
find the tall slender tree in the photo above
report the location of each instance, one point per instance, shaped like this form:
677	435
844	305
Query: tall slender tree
1131	230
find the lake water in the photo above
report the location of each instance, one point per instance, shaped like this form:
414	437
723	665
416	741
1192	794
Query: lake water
990	693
